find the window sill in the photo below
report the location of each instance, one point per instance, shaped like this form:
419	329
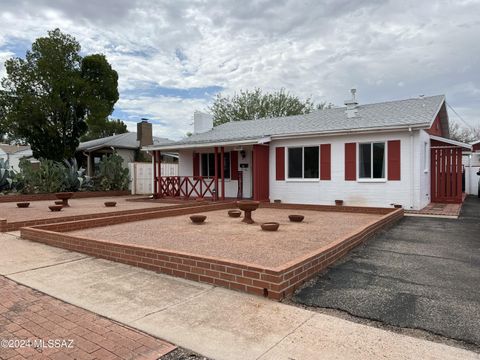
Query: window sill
302	180
372	180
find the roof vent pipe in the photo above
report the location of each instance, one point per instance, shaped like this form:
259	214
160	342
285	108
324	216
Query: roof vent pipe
351	105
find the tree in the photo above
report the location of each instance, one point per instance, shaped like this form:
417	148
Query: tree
107	127
248	105
50	96
464	134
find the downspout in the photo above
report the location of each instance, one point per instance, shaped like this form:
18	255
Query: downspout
412	170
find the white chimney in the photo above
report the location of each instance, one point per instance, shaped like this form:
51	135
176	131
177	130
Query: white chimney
202	122
352	105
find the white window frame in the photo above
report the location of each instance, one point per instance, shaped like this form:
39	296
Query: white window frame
385	162
302	179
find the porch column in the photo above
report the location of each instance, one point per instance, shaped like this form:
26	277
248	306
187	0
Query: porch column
159	172
89	165
222	168
216	173
154	184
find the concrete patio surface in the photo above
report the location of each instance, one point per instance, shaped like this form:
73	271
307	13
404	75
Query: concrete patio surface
217	323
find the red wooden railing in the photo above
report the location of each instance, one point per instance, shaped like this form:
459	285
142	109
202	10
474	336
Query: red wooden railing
187	187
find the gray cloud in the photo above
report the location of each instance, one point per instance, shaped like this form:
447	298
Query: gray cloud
387	49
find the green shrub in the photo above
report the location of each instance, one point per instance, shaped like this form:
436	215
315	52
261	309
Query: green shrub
48	177
111	175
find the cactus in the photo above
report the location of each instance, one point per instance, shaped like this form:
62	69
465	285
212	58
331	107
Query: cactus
75	178
6	175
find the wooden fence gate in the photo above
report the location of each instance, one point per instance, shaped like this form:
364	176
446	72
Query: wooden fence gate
446	174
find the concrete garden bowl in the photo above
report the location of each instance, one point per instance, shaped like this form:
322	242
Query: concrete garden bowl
296	218
55	207
23	204
248	206
270	226
198	219
234	213
110	203
58	202
64	196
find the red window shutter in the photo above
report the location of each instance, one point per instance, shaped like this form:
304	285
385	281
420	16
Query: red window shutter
196	164
280	163
394	160
234	164
350	161
325	162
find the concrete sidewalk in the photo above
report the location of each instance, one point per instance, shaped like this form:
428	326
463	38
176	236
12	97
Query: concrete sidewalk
215	322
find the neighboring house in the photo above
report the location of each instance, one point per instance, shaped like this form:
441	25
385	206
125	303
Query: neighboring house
368	155
126	145
14	153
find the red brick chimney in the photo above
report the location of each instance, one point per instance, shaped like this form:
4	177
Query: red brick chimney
144	133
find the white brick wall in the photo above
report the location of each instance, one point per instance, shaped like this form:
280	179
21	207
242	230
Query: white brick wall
352	192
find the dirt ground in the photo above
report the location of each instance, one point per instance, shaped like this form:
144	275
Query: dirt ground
228	238
94	205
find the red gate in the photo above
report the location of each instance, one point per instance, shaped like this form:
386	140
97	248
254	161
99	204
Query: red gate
446	174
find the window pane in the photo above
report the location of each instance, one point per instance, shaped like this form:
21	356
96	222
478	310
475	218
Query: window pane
226	165
204	165
211	164
295	162
310	164
378	160
364	159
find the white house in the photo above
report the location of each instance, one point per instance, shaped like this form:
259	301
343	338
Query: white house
14	153
394	152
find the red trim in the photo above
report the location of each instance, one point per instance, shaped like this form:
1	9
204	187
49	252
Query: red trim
280	163
350	161
436	128
325	162
216	172
196	164
155	178
222	170
394	160
234	164
260	165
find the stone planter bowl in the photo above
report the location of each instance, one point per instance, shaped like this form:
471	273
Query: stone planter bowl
110	203
248	205
55	207
23	204
338	202
198	219
234	213
270	226
397	206
64	196
296	218
58	202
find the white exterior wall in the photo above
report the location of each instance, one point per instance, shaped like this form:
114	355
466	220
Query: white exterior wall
362	193
14	159
422	169
185	161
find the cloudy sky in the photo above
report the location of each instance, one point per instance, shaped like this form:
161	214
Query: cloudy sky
174	56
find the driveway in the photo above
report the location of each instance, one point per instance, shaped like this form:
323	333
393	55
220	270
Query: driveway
422	273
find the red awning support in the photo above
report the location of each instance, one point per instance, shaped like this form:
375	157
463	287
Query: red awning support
155	177
222	170
216	173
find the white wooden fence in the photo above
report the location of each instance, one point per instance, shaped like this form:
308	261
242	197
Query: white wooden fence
141	176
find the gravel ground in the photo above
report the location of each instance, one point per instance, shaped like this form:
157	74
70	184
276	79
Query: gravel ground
229	238
40	210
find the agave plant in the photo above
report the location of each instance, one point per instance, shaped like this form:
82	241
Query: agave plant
6	175
75	178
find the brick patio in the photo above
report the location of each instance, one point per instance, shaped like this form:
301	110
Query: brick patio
29	314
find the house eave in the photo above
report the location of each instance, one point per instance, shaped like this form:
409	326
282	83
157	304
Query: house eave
174	147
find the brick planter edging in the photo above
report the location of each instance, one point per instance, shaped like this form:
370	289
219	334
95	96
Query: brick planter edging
274	283
93	219
51	196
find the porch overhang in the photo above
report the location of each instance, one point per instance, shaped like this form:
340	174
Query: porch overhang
174	147
450	142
